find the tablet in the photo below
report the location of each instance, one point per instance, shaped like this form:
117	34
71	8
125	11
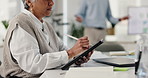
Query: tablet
66	66
117	62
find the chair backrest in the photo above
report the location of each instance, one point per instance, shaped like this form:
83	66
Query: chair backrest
110	46
0	65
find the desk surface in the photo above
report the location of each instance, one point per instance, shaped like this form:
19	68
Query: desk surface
119	74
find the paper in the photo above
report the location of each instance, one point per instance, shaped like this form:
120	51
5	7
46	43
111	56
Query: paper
120	53
53	74
98	54
90	72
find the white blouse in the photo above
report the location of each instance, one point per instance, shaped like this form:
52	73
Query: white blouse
24	49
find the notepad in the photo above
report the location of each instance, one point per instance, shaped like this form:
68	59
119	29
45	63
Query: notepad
90	72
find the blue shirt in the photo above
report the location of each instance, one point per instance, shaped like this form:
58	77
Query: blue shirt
95	12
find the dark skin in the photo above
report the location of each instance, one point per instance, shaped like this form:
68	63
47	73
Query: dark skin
84	59
42	8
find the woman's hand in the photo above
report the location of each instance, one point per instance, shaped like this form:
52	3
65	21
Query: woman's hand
81	45
84	59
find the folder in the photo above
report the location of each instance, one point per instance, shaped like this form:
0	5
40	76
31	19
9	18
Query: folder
117	62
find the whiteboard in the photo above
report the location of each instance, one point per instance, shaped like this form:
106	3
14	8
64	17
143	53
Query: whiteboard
138	20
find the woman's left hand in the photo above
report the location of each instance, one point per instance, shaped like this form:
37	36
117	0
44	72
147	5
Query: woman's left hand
84	59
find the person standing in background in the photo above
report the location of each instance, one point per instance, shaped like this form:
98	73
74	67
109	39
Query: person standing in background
92	14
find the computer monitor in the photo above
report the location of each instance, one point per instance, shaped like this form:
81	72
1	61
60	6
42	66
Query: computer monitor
138	20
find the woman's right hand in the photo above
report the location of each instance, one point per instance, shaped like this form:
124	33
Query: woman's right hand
81	45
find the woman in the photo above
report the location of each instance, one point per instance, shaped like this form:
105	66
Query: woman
31	45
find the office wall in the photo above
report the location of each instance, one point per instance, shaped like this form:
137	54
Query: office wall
123	6
8	9
73	7
3	9
144	2
3	16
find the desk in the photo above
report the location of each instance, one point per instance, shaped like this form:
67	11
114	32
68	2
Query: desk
119	74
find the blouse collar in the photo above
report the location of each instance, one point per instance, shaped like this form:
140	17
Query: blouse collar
34	18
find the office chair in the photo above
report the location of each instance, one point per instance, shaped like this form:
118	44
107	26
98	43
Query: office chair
0	65
1	76
110	46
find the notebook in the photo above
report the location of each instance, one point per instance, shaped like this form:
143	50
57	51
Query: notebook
117	62
66	66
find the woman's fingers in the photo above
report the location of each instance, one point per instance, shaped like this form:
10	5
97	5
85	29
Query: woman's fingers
84	42
89	54
81	45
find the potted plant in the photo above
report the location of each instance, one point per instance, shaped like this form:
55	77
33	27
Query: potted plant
77	31
5	23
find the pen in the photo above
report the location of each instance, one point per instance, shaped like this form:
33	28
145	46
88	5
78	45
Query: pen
71	37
